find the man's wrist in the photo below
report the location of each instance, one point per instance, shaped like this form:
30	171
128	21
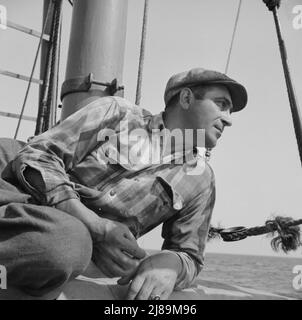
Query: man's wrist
177	263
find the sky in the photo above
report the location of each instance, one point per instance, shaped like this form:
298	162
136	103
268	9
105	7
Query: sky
256	162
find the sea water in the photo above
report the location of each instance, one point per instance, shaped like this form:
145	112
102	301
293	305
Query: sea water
270	274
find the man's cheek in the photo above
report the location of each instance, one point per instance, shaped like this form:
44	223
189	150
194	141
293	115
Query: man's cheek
209	105
210	139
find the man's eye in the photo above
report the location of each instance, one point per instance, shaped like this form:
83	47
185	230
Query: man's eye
222	104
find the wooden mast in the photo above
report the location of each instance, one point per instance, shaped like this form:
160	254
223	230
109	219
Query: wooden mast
96	48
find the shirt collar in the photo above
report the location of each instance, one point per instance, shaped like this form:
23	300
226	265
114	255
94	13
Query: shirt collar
157	124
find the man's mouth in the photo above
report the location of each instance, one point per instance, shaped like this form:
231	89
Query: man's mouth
219	129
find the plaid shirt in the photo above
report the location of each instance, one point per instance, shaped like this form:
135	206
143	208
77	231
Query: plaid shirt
71	159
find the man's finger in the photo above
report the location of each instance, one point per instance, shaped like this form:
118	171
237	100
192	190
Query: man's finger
125	262
125	280
110	266
133	249
145	291
135	287
104	266
165	294
117	268
129	235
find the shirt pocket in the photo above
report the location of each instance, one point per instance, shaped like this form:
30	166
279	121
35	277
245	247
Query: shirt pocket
171	193
90	197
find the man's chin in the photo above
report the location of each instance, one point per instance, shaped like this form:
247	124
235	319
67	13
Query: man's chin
211	143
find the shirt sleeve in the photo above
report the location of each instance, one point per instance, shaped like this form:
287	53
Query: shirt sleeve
56	151
186	233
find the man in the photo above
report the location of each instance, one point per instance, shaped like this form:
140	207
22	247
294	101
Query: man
88	191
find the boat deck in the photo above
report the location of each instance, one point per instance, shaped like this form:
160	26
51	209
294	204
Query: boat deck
93	285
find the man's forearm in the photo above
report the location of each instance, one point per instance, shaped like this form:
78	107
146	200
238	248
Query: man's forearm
90	219
74	207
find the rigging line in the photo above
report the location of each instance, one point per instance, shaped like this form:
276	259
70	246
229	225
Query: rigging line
287	229
44	119
26	30
296	116
33	70
142	54
54	115
71	2
233	37
55	67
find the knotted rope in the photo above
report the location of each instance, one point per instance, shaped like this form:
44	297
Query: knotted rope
285	230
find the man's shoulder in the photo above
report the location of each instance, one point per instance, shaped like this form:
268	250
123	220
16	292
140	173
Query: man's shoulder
117	108
124	106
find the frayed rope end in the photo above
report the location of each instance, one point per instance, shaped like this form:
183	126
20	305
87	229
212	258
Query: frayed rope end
287	238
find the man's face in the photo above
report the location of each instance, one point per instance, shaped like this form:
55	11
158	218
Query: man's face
212	113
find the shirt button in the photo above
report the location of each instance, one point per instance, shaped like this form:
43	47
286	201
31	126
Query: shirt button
177	205
112	193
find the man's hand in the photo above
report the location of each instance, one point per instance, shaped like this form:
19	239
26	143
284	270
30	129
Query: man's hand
115	250
156	275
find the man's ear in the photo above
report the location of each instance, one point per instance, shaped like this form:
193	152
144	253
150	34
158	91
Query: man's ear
186	98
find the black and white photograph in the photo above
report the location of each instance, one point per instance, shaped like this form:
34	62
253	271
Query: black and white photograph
150	150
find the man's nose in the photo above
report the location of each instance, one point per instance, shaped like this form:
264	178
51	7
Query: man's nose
227	118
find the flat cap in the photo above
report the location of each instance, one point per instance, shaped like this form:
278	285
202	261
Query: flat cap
200	76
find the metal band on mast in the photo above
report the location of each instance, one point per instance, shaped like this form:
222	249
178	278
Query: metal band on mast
96	46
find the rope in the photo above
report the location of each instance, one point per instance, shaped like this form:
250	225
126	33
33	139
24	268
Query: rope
43	119
32	72
233	37
58	66
142	54
297	121
54	70
288	233
273	5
